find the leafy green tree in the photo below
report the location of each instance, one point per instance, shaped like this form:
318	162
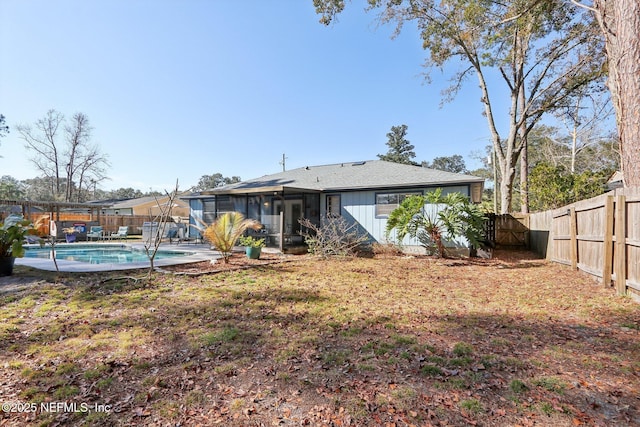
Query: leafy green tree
400	149
125	193
434	218
551	187
11	188
226	230
212	181
541	51
453	164
41	189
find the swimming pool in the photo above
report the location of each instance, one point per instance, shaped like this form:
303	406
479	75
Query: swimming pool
100	254
74	257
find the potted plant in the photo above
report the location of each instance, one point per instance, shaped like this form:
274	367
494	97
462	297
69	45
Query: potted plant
13	232
69	234
253	246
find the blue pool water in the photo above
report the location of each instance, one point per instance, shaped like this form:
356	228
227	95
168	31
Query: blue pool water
100	254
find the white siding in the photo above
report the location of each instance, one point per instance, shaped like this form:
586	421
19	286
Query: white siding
196	216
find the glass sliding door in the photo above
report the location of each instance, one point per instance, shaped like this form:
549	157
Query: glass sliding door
292	213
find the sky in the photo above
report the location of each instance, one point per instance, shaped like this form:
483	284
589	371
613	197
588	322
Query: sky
178	89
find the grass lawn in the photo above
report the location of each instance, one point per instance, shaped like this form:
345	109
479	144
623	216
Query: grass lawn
397	341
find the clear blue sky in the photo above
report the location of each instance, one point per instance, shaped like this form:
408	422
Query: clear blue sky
180	89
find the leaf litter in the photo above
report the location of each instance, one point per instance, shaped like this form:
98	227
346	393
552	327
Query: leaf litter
388	341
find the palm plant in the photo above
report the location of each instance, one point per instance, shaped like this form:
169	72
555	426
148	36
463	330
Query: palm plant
434	218
227	229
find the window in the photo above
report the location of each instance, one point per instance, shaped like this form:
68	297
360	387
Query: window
208	211
387	202
225	204
333	206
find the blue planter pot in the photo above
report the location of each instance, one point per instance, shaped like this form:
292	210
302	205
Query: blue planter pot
70	238
253	253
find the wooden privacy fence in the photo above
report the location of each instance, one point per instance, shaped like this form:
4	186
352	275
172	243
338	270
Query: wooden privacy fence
135	222
512	230
600	236
110	223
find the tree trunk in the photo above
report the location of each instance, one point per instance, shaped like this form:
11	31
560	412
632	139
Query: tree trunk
524	177
620	22
508	172
524	159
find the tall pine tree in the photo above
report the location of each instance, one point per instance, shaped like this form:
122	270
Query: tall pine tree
400	149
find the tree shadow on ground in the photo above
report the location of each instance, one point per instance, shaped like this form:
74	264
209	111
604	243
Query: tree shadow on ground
292	353
487	369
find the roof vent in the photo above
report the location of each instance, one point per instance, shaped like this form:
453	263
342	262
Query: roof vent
358	163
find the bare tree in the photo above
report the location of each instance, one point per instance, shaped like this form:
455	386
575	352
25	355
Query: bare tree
152	245
582	119
42	142
542	51
63	153
554	146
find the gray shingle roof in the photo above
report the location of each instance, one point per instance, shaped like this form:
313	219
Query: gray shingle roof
372	174
131	203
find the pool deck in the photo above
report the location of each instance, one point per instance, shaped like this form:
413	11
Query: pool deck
200	252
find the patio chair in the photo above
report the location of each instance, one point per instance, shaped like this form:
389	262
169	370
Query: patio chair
172	234
122	233
95	232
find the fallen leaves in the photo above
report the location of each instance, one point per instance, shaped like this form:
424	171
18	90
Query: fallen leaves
390	342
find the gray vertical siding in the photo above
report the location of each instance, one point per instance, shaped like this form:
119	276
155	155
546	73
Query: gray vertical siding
355	206
360	206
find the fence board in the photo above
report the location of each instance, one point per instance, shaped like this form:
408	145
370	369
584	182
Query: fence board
620	260
600	236
607	259
512	230
573	232
540	233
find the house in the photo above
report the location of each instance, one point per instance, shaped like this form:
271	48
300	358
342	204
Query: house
147	206
363	193
616	180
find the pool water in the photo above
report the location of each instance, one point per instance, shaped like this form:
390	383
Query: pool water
100	254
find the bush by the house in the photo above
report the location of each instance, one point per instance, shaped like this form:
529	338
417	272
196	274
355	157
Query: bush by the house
334	236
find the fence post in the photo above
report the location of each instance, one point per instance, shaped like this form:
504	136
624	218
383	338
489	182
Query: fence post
621	246
607	259
573	220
